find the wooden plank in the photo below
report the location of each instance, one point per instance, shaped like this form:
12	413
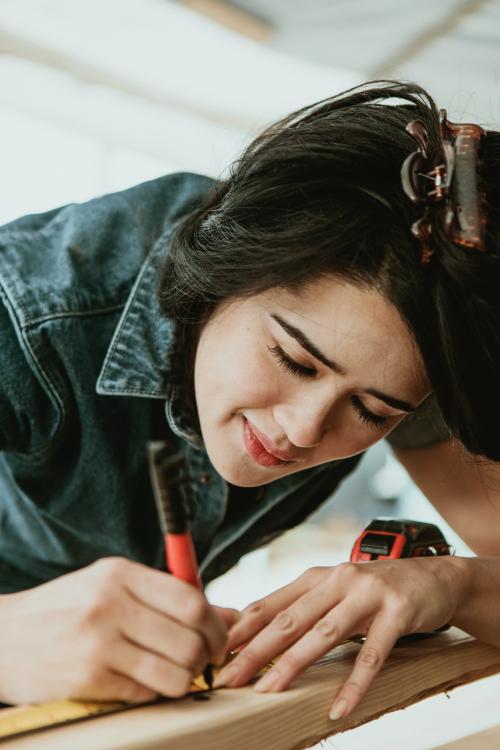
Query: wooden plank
489	739
294	719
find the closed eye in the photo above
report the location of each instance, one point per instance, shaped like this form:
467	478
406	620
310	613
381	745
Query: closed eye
301	371
368	416
290	365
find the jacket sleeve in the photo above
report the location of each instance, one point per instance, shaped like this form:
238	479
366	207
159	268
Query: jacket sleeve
420	429
22	399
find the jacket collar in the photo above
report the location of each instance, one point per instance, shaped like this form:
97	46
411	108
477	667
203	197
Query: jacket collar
142	359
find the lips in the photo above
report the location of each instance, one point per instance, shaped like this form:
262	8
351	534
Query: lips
258	446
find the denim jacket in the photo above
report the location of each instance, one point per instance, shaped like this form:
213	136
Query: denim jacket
89	375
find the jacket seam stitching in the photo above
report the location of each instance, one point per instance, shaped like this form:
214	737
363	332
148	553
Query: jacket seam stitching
126	307
57	401
71	314
49	383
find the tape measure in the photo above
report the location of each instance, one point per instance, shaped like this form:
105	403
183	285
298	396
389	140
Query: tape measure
392	538
21	719
383	539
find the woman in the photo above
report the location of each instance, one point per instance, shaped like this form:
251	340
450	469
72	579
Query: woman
298	321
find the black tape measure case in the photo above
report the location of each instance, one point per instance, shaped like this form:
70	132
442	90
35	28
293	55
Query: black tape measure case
390	539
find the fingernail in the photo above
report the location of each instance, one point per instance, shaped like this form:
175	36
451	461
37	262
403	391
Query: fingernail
225	677
338	710
268	682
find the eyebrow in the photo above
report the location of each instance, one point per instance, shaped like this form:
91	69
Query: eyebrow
308	345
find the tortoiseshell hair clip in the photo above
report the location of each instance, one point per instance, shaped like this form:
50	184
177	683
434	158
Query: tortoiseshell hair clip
454	182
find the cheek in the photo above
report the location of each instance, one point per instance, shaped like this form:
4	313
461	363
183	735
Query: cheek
349	437
236	379
252	382
258	377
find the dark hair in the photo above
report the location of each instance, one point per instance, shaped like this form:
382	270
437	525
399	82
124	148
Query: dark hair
319	192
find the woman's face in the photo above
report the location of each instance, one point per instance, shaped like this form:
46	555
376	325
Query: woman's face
289	380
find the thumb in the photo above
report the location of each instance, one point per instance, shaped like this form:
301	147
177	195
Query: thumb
229	615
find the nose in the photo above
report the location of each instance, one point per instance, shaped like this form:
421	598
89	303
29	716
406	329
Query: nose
305	421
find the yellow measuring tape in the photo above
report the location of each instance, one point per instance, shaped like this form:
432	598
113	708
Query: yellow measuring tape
21	719
28	718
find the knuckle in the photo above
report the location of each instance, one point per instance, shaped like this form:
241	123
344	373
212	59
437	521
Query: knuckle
256	610
106	574
397	604
397	609
94	609
250	659
135	693
370	657
290	662
103	603
110	566
100	565
163	677
142	664
196	655
181	685
89	677
258	614
354	689
326	628
287	622
196	609
371	586
346	570
130	611
314	575
95	653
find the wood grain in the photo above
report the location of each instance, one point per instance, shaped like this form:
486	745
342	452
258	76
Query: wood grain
294	719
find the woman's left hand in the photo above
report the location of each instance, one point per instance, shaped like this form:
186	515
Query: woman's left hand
382	600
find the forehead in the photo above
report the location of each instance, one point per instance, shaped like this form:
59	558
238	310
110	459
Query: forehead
355	324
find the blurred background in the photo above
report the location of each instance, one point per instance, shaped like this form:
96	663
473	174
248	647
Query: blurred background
98	95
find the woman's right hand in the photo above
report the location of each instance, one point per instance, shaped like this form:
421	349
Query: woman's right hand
115	630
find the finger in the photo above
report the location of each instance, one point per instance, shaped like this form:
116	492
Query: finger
160	634
329	631
154	672
286	628
381	637
260	613
180	601
229	615
112	686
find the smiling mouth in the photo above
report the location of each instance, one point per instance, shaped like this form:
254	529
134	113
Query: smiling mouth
256	449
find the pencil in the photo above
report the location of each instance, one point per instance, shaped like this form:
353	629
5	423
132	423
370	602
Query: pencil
169	480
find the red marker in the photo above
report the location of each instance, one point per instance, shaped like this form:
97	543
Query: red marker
170	488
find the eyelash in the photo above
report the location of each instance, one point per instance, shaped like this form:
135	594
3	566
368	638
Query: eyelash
301	371
290	365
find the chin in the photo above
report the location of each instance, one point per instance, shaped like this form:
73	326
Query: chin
254	476
239	473
240	476
243	482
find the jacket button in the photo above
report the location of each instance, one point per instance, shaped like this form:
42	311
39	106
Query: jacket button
205	478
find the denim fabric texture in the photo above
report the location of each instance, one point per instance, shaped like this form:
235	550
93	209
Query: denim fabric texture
89	375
